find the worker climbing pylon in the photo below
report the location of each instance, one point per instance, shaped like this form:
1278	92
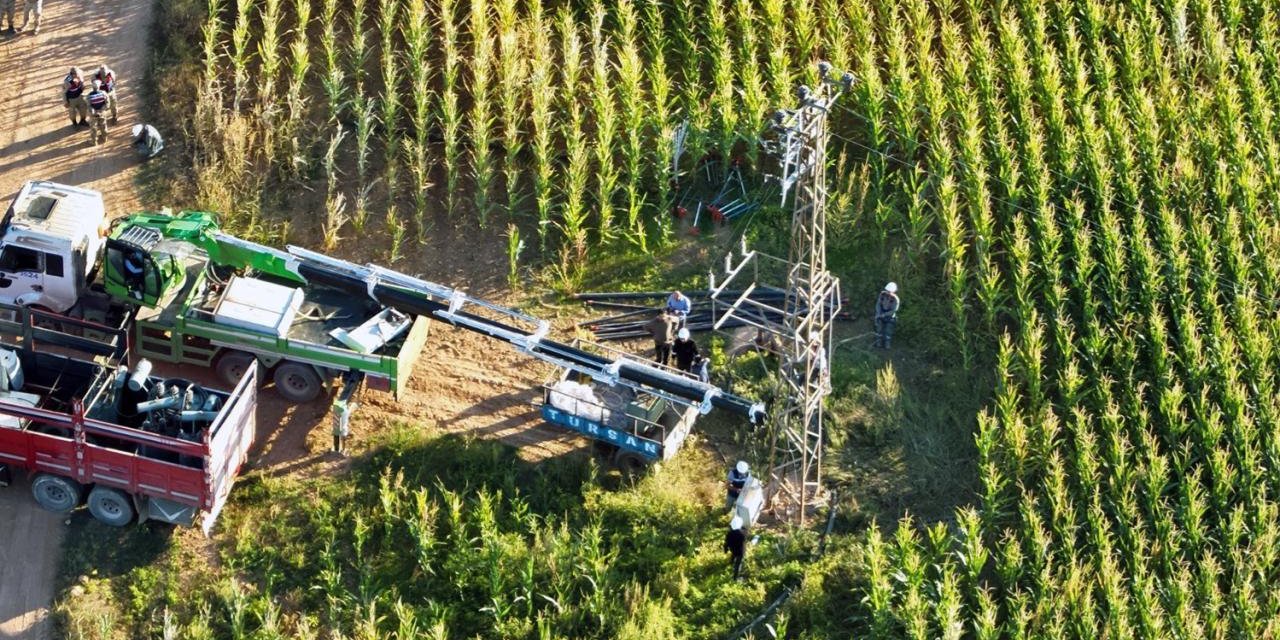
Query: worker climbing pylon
887	304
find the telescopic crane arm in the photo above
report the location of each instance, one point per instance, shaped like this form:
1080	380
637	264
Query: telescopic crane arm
414	296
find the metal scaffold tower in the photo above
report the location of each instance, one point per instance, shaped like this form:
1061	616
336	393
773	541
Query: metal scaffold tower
799	332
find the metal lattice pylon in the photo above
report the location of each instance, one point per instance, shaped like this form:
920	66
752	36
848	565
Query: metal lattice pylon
798	332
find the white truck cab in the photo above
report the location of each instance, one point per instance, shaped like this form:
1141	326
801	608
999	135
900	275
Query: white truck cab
49	243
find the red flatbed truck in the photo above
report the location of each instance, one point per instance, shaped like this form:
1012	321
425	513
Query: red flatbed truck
74	420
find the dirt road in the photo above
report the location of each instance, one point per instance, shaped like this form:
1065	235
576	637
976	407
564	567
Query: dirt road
29	550
36	138
37	142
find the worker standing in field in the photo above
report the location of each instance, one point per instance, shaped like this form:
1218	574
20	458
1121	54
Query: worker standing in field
685	351
739	476
663	329
33	7
73	97
107	78
735	543
886	317
679	305
97	102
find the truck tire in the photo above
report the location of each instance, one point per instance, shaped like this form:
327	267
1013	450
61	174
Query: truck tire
110	506
630	463
232	365
298	383
56	493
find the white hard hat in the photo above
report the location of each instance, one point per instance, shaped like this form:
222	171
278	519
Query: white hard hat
735	523
137	130
683	334
742	466
892	287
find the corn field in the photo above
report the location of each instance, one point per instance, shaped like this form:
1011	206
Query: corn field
1091	186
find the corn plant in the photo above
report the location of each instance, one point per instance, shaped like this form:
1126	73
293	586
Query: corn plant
269	45
724	99
631	99
542	130
604	115
417	37
573	212
335	201
295	99
511	78
390	101
240	54
334	79
515	246
481	115
450	116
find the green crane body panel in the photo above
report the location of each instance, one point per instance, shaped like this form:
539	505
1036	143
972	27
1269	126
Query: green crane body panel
173	325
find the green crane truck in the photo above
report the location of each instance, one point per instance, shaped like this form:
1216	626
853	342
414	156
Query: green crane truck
196	296
193	294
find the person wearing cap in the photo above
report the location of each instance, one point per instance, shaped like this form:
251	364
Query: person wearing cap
97	101
886	317
107	79
73	97
679	304
685	351
147	141
739	476
735	543
663	329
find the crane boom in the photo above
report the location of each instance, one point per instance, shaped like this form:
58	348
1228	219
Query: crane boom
415	296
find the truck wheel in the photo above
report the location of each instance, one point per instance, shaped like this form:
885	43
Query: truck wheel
604	449
232	365
110	506
630	462
298	383
56	493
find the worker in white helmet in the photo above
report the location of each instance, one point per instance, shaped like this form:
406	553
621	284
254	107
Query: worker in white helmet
886	317
685	350
739	476
735	542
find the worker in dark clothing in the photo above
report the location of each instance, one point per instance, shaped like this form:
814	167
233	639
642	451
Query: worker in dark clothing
735	543
663	328
685	350
887	304
739	475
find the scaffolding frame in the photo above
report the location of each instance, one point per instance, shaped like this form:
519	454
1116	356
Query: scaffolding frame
803	325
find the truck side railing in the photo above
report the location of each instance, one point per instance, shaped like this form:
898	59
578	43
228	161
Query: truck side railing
25	327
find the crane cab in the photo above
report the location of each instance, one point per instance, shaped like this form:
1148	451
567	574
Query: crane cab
50	238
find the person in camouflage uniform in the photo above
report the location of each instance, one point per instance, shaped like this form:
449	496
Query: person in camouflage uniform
73	97
97	102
